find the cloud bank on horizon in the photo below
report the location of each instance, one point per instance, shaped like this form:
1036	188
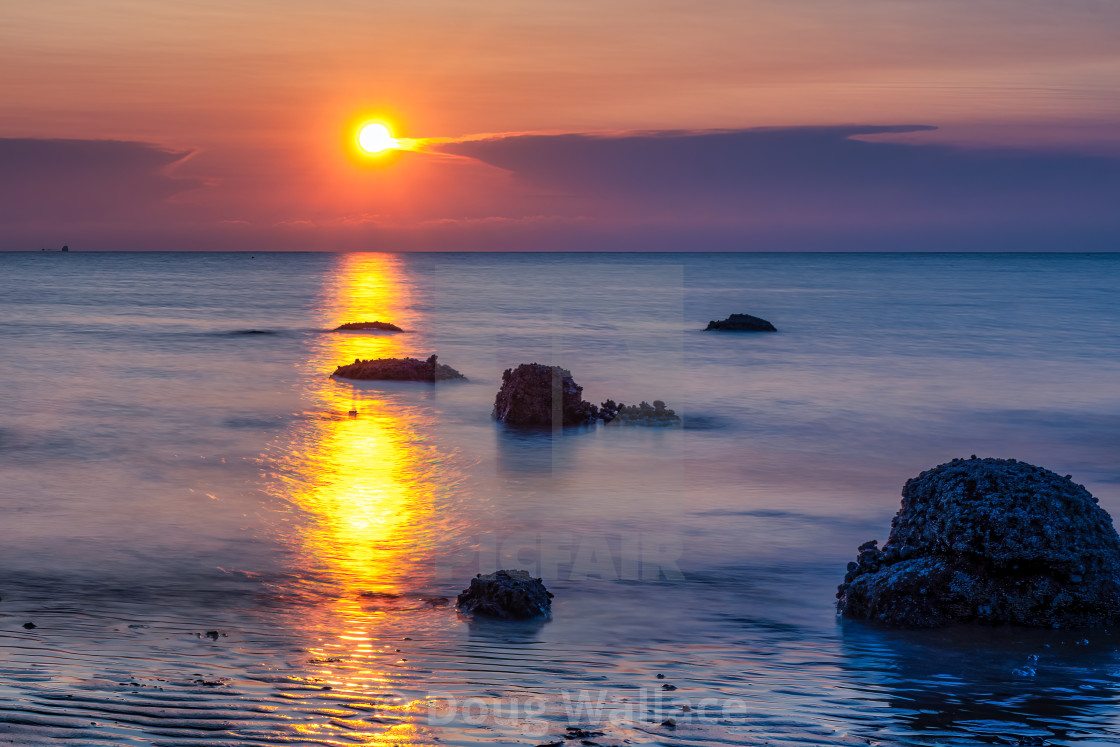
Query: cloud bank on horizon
830	188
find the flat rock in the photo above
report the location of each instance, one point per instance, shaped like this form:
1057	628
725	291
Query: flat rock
510	595
656	414
398	369
742	323
526	397
994	541
365	326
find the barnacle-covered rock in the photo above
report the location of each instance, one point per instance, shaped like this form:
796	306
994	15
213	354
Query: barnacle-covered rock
534	394
398	369
990	540
513	595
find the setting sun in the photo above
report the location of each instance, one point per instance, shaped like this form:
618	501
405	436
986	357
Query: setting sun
376	138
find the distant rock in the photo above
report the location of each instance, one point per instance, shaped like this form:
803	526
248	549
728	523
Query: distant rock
993	541
742	323
511	595
398	369
526	397
362	326
643	414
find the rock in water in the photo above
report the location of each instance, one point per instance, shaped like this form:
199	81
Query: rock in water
398	369
742	323
526	397
644	414
360	326
990	540
512	595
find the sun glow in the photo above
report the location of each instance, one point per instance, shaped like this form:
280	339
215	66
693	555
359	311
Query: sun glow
375	137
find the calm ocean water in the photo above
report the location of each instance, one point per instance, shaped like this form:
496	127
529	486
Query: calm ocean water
213	552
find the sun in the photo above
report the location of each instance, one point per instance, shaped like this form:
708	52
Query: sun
375	137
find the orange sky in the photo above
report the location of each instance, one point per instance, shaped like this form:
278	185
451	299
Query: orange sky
208	73
261	93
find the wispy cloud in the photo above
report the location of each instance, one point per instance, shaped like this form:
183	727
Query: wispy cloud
810	180
87	182
796	168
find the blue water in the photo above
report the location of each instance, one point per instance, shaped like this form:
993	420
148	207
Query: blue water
175	460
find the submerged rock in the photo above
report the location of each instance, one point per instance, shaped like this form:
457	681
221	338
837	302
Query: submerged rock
643	414
398	369
990	540
742	323
526	397
512	595
360	326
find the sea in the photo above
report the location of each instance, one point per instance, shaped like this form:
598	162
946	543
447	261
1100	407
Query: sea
205	539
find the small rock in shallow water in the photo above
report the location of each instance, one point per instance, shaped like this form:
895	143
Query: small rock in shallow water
361	326
575	732
742	323
512	595
642	414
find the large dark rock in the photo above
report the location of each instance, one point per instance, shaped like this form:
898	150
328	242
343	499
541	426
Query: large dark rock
365	326
742	323
398	369
528	393
512	595
990	540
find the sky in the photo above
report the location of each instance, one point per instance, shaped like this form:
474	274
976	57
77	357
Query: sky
741	125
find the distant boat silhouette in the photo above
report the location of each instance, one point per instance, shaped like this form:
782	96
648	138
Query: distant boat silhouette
65	248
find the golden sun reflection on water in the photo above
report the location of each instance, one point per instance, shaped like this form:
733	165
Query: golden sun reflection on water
371	493
367	481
